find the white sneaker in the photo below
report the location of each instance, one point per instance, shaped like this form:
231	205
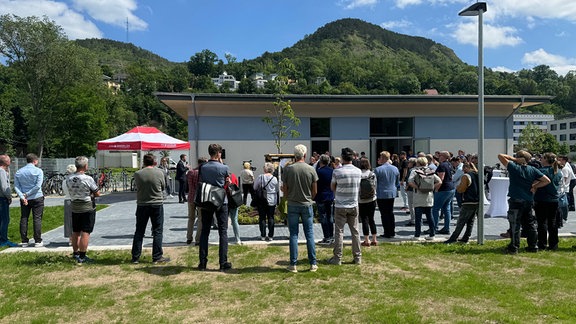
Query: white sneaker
292	268
262	238
39	244
313	268
429	238
417	238
170	196
24	244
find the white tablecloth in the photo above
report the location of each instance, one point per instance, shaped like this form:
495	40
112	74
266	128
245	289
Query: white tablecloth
498	197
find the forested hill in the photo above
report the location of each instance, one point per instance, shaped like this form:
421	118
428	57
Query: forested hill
373	37
119	55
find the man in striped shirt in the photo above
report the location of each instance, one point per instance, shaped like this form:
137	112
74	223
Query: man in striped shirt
346	187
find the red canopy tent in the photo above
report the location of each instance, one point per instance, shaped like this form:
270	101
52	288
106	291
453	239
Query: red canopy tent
142	138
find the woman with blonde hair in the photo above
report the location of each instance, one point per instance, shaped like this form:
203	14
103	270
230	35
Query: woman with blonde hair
247	180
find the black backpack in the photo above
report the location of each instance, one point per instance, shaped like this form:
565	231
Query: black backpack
368	187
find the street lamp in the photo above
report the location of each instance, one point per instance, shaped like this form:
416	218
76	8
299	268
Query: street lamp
478	9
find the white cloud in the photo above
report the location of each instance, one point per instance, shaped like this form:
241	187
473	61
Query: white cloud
396	24
113	12
74	24
502	69
352	4
494	36
551	9
406	3
560	64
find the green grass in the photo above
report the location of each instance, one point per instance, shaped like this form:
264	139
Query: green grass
406	283
52	218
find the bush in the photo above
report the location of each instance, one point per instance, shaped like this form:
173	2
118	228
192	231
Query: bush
248	215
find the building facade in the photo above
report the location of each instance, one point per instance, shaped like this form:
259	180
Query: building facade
564	130
523	120
365	123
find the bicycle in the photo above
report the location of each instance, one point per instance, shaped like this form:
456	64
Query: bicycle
53	184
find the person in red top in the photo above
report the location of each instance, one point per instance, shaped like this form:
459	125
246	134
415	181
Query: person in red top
233	212
192	177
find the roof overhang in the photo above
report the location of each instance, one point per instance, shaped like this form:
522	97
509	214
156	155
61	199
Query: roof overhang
205	104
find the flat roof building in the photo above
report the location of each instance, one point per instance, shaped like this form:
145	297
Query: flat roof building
369	123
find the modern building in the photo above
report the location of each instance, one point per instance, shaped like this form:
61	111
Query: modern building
368	123
564	130
523	120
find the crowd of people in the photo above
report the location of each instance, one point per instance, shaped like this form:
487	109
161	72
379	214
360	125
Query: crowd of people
345	190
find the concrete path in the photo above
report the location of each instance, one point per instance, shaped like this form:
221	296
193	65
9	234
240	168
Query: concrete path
115	226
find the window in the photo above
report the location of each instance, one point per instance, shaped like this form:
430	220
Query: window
553	127
562	137
563	126
573	137
319	127
391	127
572	125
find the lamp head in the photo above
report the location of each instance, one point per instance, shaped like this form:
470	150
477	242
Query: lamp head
474	10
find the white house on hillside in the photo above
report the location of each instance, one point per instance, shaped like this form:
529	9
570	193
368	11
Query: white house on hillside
226	80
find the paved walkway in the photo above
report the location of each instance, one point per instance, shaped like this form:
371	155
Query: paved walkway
115	226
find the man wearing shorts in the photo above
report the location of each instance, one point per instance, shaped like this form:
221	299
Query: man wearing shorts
82	189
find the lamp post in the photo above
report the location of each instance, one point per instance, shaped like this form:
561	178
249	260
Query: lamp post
478	9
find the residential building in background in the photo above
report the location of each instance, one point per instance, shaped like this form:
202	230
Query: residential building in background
523	120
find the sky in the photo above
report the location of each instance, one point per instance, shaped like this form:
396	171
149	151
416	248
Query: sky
518	34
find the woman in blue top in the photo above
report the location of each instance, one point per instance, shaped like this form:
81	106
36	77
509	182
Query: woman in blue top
325	198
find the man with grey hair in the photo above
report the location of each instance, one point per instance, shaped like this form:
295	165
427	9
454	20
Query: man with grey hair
28	185
5	201
299	185
82	189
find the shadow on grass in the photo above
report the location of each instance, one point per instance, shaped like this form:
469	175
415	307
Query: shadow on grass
164	270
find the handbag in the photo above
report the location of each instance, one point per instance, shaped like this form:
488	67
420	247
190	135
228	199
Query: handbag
209	196
259	196
234	196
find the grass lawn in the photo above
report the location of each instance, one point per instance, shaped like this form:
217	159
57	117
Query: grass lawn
406	283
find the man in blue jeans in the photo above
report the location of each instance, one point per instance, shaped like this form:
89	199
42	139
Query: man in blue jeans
299	186
5	200
443	197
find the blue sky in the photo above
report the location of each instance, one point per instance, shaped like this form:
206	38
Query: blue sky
517	33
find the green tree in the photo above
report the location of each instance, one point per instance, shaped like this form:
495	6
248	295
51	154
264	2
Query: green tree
282	120
537	141
48	65
203	63
8	101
